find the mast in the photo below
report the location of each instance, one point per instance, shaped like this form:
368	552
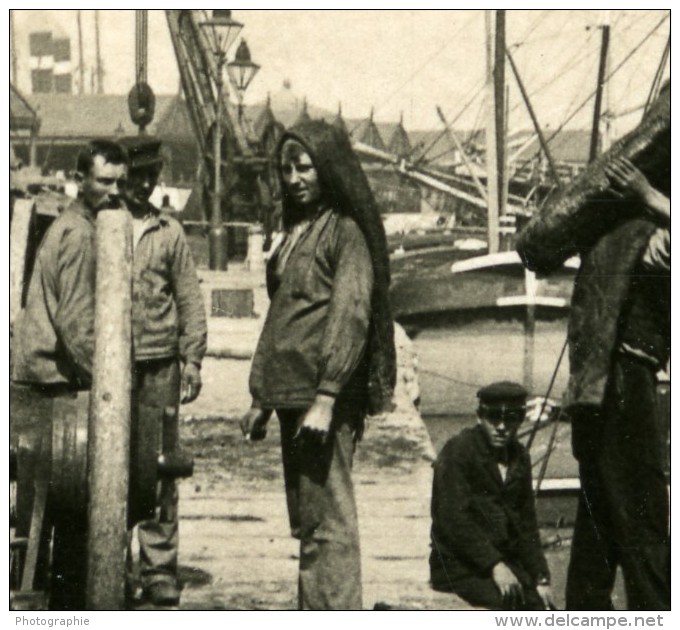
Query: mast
534	119
81	67
601	77
13	49
100	70
496	126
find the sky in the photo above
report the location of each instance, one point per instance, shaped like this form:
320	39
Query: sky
399	62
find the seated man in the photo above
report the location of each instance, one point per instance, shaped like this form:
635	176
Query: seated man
485	541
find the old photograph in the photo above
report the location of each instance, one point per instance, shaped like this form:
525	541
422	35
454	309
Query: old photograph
339	310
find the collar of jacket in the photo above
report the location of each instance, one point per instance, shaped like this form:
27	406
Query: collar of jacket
78	207
490	459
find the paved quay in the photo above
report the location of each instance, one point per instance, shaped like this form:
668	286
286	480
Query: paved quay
236	552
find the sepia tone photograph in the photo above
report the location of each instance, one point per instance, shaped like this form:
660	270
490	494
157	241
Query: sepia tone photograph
339	310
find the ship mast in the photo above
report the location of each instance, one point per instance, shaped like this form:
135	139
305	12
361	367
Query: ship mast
496	123
100	69
601	78
81	67
13	49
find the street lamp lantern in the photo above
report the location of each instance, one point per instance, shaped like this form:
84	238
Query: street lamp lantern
242	70
222	32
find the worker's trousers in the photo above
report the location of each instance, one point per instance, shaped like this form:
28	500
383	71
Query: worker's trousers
157	385
622	517
322	510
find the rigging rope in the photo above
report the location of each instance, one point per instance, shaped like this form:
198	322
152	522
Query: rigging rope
450	39
141	45
592	94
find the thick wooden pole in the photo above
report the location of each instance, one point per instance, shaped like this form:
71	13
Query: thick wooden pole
109	425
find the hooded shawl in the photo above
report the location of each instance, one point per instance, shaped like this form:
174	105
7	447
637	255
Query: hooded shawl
345	188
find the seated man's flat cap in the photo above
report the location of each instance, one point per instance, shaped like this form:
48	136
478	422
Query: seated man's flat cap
503	394
142	150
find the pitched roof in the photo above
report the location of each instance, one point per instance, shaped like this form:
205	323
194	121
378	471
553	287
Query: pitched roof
371	135
21	114
399	142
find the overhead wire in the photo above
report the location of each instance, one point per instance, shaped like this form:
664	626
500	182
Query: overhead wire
410	78
592	94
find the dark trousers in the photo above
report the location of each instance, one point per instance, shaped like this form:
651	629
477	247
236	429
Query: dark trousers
322	511
157	387
622	517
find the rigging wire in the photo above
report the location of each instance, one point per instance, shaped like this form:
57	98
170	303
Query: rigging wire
474	130
592	94
567	67
444	131
446	44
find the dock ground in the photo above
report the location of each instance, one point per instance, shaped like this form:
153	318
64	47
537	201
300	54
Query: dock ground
236	552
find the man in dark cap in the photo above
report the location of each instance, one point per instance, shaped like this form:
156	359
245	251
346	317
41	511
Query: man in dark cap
485	541
169	342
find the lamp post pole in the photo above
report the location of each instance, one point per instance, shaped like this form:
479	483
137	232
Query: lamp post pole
218	233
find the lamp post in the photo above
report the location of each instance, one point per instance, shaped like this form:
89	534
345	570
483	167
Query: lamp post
241	72
221	31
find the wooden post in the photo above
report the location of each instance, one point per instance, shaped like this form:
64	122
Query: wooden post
109	425
22	215
529	328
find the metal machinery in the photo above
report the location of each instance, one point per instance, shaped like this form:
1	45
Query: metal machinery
241	175
71	506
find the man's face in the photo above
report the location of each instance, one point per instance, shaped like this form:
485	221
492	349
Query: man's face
299	174
500	425
102	186
140	184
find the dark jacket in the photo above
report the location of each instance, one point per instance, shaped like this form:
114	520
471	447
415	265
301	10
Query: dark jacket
478	519
610	235
347	194
314	337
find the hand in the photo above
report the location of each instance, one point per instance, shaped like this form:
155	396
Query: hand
509	586
627	178
545	593
254	424
191	383
317	421
630	181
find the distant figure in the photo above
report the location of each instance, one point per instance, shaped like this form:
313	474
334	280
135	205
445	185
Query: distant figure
485	541
616	216
326	354
166	206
